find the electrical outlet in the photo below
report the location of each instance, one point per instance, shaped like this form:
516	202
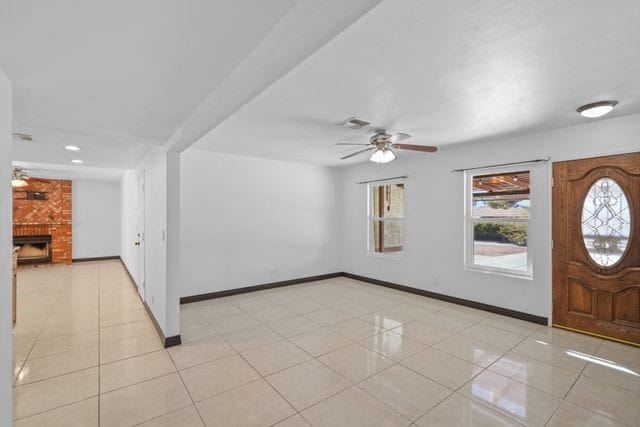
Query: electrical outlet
153	300
436	282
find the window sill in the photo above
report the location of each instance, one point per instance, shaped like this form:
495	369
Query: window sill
504	273
392	256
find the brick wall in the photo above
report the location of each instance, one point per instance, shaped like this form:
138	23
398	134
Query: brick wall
51	216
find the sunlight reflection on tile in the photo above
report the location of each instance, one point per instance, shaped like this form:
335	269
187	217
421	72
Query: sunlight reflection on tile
602	362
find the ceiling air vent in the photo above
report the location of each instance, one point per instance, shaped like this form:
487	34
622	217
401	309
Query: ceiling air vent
354	123
23	137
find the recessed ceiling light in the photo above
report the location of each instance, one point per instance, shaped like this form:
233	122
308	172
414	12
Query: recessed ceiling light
596	109
77	161
71	148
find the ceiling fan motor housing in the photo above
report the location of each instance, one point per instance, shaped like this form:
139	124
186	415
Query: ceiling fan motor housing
380	139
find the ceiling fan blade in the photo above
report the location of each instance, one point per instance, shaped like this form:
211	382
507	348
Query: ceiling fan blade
423	148
397	137
350	143
357	152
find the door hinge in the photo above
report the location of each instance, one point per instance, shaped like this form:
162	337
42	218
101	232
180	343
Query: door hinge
552	245
553	182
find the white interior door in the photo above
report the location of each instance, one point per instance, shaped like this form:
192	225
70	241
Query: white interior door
140	237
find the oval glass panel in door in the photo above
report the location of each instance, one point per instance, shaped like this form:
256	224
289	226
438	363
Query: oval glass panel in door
606	222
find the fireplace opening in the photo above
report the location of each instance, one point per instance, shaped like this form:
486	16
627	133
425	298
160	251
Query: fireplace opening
33	249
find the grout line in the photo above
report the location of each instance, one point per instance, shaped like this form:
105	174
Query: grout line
99	350
58	375
573	385
65	286
270	385
58	407
359	342
164	415
193	402
26	359
384	403
264	378
326	327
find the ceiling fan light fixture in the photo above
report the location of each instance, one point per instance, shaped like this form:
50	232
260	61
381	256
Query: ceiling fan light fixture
388	156
18	182
382	156
376	156
596	109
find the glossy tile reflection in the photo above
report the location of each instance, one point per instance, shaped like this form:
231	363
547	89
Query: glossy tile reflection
336	352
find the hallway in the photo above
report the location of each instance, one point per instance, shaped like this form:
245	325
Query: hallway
78	332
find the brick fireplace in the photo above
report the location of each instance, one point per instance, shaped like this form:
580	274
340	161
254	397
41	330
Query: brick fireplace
42	221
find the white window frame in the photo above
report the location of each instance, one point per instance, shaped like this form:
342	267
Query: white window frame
469	258
370	219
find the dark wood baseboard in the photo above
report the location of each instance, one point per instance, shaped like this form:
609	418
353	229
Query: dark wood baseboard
442	297
460	301
171	341
98	258
176	340
133	281
167	341
229	292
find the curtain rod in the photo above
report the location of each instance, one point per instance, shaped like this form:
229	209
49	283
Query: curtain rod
384	179
526	162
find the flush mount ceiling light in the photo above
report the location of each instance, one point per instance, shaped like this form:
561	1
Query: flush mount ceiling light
71	148
76	161
596	109
382	156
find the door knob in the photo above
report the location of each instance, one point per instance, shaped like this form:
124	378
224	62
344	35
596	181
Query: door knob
137	243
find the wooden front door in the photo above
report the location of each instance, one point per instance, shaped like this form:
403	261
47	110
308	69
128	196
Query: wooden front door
596	246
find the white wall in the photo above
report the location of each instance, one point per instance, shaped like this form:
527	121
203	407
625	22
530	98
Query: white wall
96	219
6	339
434	200
248	221
163	300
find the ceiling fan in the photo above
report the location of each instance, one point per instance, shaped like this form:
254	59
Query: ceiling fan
19	177
383	145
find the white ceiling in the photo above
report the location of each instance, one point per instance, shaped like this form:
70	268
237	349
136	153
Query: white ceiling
116	77
445	72
58	171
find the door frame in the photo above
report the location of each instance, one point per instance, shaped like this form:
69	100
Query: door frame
140	230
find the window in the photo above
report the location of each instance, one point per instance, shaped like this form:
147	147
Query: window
497	220
386	217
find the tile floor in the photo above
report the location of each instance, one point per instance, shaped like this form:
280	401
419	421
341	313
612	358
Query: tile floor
332	353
